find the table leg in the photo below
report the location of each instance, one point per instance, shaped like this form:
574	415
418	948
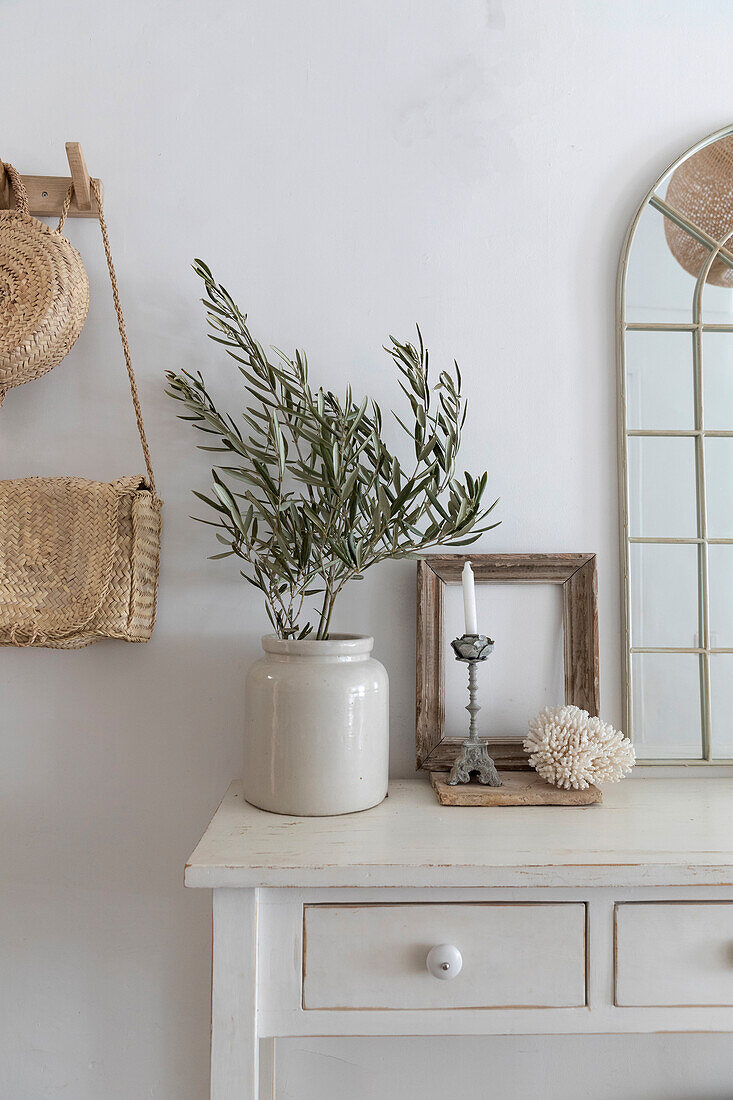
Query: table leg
234	1038
267	1069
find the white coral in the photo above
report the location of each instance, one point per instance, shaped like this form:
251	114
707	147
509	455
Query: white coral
568	748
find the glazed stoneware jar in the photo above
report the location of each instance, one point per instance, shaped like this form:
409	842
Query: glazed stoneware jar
317	737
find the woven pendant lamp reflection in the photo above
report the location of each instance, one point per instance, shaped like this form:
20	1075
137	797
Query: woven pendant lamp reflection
702	188
44	292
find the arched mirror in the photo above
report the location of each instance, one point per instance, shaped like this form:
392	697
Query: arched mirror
675	352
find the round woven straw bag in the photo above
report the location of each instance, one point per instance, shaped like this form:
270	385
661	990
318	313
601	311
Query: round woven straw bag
44	292
702	188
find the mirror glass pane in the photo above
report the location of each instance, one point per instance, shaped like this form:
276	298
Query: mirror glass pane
664	595
717	305
721	705
662	487
678	451
720	588
717	378
719	487
717	300
665	690
660	393
699	193
658	289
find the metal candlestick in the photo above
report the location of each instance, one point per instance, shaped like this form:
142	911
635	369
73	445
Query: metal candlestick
473	755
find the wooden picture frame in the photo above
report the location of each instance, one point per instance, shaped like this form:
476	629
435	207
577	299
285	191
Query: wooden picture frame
576	573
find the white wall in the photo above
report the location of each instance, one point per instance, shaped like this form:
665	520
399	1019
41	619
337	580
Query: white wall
347	169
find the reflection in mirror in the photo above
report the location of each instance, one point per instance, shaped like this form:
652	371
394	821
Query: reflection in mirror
717	304
666	694
675	349
660	392
721	705
657	288
719	486
700	190
717	380
662	486
720	583
657	569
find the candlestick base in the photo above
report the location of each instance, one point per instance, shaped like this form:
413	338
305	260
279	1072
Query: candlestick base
474	757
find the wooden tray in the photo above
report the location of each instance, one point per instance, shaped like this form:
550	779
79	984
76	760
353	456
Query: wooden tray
517	789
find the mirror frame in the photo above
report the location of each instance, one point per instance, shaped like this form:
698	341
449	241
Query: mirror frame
624	433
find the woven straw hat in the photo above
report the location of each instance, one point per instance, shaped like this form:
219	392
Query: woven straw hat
702	188
44	293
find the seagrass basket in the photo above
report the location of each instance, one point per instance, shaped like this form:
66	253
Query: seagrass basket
79	559
44	293
702	188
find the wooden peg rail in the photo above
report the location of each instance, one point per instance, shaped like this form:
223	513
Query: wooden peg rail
46	194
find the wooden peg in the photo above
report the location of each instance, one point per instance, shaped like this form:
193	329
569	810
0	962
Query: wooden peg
79	174
46	194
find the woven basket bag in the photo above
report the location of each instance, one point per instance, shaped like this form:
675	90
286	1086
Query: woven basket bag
702	188
44	292
79	559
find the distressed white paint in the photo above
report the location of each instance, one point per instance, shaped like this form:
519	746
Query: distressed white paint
646	832
374	956
675	954
541	956
347	169
618	1067
234	981
281	1012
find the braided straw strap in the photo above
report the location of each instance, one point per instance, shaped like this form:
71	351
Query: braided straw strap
79	559
19	191
44	293
123	335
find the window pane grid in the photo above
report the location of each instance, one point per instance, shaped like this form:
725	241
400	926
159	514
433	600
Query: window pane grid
702	530
699	434
678	649
689	432
683	541
673	326
672	702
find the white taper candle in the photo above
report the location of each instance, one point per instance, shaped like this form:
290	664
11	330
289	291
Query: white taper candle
469	599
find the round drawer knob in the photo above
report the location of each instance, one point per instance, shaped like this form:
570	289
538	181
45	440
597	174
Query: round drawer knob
444	961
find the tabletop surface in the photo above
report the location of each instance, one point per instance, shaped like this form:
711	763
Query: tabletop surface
647	831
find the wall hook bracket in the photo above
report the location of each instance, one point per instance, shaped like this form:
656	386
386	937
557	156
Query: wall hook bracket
46	194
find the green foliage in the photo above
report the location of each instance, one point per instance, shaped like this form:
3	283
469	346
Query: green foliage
310	495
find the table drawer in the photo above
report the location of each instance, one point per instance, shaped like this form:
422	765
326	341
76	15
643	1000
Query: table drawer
519	955
674	953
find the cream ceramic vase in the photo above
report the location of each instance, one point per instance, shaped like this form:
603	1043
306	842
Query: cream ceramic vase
317	739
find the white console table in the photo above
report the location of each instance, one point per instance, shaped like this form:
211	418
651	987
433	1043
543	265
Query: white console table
608	918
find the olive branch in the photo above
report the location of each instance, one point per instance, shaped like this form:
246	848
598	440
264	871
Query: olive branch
312	495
